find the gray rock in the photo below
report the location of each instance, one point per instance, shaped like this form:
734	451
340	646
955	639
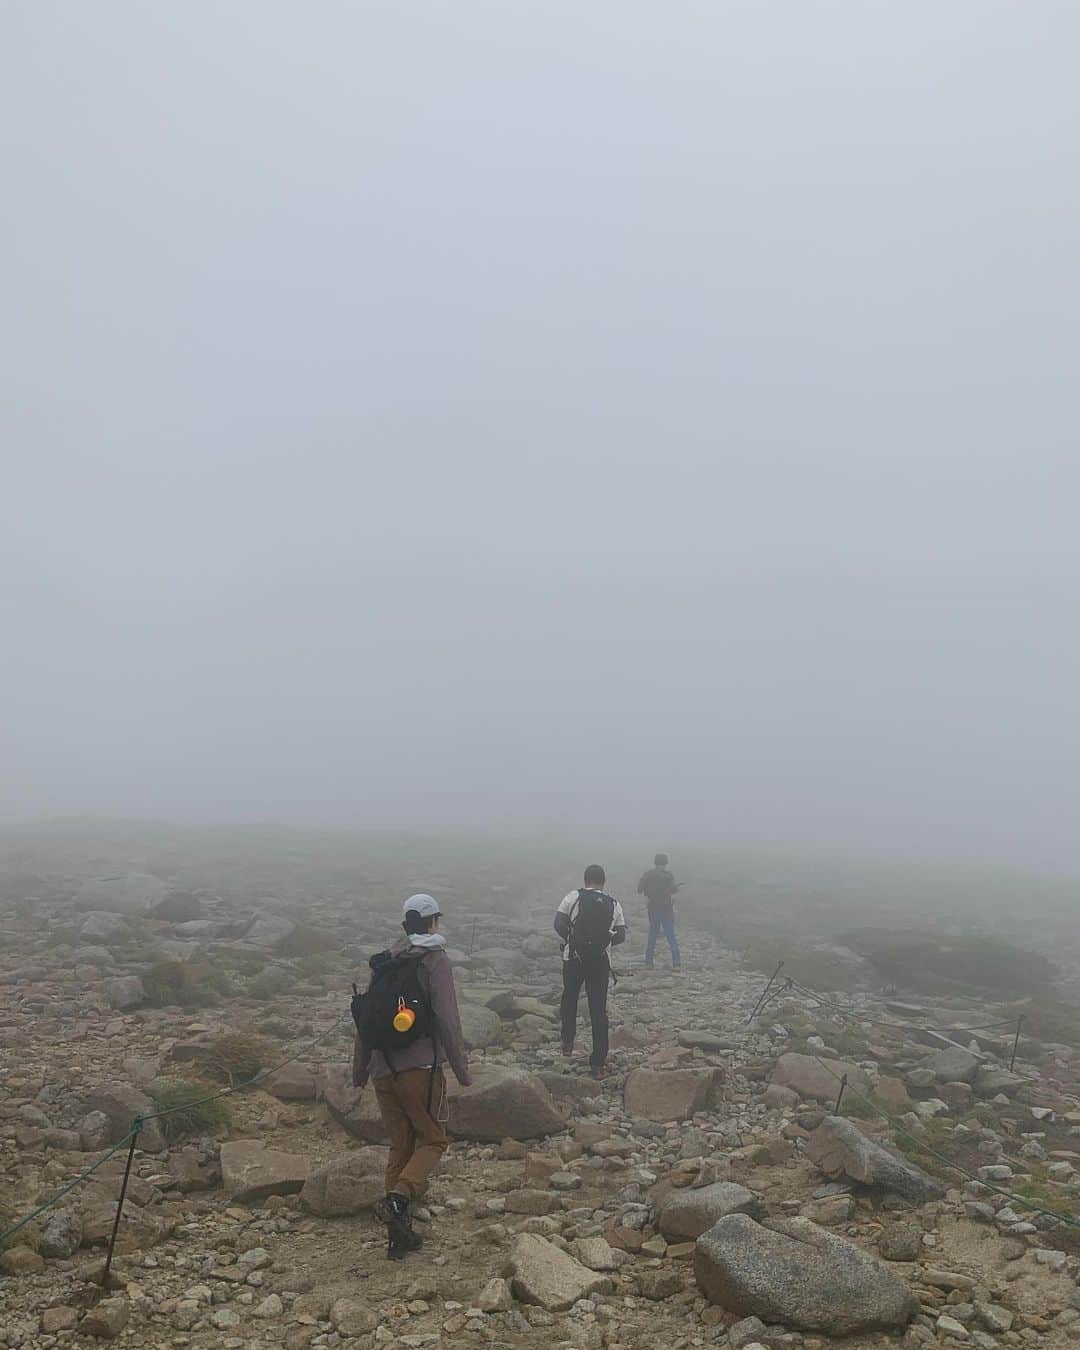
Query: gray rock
354	1109
121	1104
808	1078
269	930
670	1094
901	1242
124	992
95	1131
687	1214
251	1172
989	1081
346	1185
100	926
495	1297
840	1148
503	1104
543	1274
130	893
479	1025
954	1065
800	1275
107	1320
61	1235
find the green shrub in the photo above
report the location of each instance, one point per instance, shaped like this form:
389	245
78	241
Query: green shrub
924	960
190	1114
816	967
236	1057
185	984
306	941
1048	1019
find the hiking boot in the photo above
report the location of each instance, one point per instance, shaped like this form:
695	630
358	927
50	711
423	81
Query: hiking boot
599	1073
393	1210
568	1048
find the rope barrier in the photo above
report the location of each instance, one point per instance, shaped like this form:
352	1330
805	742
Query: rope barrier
128	1141
1020	1201
845	1088
48	1204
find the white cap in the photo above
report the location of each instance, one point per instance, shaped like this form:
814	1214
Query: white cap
424	905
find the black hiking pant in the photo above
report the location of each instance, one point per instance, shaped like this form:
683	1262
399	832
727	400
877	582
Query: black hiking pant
594	975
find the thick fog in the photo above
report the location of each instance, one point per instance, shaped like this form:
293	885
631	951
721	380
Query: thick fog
648	416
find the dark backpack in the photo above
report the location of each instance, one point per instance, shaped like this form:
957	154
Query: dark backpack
590	926
395	986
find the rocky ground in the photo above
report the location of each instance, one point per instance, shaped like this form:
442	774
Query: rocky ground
705	1193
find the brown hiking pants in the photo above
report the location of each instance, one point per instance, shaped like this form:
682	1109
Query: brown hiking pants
417	1139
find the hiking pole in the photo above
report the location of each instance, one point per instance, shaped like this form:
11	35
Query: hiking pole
1016	1041
136	1126
472	940
761	1000
840	1094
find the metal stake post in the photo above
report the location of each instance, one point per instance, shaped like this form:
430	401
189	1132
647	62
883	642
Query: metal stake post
764	992
840	1094
135	1128
1016	1041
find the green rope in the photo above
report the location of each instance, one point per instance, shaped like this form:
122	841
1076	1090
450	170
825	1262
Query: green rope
70	1186
139	1121
1021	1201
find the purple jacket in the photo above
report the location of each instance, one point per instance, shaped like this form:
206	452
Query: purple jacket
437	981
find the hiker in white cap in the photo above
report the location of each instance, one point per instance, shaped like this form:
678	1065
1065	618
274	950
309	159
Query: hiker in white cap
408	1028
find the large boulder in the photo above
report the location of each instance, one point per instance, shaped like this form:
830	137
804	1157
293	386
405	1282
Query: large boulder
503	1104
687	1214
295	1083
954	1065
124	992
797	1274
100	926
500	1104
809	1078
670	1094
346	1185
990	1080
250	1172
130	893
178	907
840	1148
480	1026
543	1274
120	1104
269	930
354	1109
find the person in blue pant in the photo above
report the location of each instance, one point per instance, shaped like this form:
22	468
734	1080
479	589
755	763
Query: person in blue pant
658	886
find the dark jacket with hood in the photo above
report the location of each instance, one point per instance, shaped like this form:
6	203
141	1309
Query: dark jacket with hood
437	982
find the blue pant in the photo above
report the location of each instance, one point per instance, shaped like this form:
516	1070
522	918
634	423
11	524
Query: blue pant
667	923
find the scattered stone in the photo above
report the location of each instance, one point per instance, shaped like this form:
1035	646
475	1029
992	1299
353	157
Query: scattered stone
107	1320
687	1214
542	1274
